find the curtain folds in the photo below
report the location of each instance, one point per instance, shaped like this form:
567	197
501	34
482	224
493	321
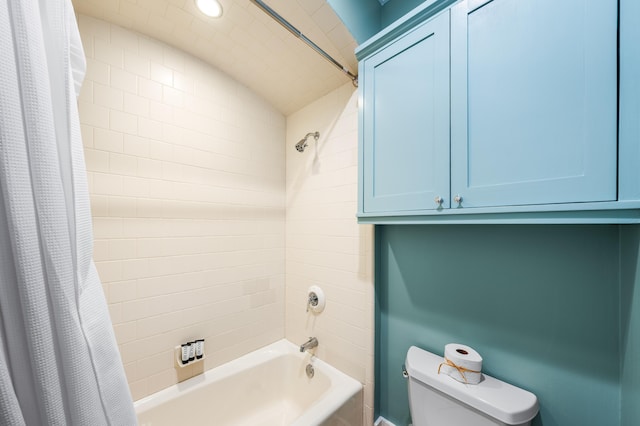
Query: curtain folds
59	362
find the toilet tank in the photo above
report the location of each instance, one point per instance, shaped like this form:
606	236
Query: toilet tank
439	400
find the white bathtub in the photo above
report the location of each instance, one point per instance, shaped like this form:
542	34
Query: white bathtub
267	387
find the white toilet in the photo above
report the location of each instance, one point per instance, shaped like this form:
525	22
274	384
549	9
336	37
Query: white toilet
439	400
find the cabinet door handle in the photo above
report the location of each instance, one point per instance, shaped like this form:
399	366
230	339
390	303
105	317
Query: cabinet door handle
438	200
457	199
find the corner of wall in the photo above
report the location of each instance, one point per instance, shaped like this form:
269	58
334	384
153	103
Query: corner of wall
325	246
629	324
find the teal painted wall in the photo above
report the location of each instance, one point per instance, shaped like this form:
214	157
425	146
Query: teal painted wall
365	18
630	324
540	303
361	17
395	9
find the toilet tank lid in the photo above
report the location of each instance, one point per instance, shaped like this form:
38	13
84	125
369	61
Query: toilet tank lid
500	400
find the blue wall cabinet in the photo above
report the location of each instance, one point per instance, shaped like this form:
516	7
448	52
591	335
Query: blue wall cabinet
533	98
406	122
532	133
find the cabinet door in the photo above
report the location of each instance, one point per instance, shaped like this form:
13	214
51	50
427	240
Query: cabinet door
533	101
405	129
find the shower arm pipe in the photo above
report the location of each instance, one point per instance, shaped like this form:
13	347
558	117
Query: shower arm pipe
293	30
315	135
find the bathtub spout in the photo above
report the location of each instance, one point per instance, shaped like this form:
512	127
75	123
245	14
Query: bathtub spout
309	344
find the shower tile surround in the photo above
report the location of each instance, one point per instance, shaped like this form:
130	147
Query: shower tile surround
186	169
324	244
197	231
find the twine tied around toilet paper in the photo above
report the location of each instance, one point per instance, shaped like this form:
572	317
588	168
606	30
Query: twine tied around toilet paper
460	369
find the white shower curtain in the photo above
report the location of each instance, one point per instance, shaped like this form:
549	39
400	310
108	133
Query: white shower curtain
59	363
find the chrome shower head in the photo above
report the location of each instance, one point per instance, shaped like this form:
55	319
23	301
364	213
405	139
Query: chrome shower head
302	144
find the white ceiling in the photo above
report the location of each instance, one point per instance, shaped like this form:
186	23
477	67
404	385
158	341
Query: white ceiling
246	43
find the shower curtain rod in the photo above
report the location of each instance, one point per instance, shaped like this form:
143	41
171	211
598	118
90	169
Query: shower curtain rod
293	30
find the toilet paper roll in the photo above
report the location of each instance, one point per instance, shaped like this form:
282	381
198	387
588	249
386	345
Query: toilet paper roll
462	363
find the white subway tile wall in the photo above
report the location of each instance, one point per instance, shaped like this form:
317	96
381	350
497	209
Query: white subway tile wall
187	178
186	169
324	244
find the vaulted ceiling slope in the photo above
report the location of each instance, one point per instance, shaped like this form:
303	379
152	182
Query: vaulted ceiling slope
246	43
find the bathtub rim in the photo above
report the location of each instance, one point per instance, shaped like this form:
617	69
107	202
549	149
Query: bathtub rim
343	387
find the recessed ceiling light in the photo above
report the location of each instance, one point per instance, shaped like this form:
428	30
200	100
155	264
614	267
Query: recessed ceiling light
211	8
